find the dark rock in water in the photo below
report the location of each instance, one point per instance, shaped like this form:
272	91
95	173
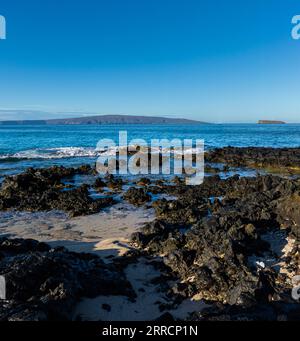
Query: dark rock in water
114	183
178	181
86	169
78	202
137	196
45	284
43	190
144	182
211	170
99	184
257	157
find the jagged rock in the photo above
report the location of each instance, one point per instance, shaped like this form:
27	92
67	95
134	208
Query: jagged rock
114	183
43	190
45	284
207	244
99	184
282	159
144	182
137	196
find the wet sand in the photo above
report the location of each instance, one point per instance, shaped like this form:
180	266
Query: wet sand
108	230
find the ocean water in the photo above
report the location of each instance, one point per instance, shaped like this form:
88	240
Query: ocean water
23	146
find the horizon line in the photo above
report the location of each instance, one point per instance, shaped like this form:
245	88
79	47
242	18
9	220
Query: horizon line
71	114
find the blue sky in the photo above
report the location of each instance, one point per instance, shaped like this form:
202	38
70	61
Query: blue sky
212	60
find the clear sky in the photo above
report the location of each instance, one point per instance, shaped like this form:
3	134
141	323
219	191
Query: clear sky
212	60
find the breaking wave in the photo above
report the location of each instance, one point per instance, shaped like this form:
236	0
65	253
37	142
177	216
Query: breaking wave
51	153
70	152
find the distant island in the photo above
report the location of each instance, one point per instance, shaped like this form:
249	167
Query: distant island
107	119
270	122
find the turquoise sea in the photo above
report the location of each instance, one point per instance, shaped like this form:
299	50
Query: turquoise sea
23	146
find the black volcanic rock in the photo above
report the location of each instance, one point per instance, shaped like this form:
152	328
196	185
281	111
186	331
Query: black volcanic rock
137	196
282	159
43	190
45	284
208	244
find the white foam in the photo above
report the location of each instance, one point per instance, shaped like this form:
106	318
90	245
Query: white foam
52	153
72	152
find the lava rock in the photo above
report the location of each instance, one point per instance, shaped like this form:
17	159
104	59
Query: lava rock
46	284
43	190
137	196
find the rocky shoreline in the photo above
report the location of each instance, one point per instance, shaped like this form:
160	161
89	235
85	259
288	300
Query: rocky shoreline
231	243
281	160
